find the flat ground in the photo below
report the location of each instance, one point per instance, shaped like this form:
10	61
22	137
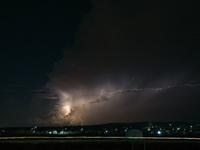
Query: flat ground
81	144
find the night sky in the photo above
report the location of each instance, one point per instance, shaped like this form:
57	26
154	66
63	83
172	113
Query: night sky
82	62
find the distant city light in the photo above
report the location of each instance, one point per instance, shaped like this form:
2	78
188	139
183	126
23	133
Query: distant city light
159	132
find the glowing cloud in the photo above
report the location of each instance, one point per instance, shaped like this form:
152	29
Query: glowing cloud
117	68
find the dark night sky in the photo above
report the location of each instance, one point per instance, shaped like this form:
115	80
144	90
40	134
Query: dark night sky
92	62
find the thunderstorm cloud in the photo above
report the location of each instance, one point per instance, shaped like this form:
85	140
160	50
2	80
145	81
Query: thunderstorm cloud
129	63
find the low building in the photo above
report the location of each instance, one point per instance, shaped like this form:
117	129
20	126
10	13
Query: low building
134	133
55	132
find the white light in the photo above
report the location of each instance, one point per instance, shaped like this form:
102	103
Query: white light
66	110
159	132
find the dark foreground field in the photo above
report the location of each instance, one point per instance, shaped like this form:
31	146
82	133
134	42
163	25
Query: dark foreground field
97	145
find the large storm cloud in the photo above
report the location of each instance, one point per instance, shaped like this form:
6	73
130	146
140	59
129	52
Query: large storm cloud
130	62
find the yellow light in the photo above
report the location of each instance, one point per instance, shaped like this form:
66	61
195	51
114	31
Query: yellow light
66	110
